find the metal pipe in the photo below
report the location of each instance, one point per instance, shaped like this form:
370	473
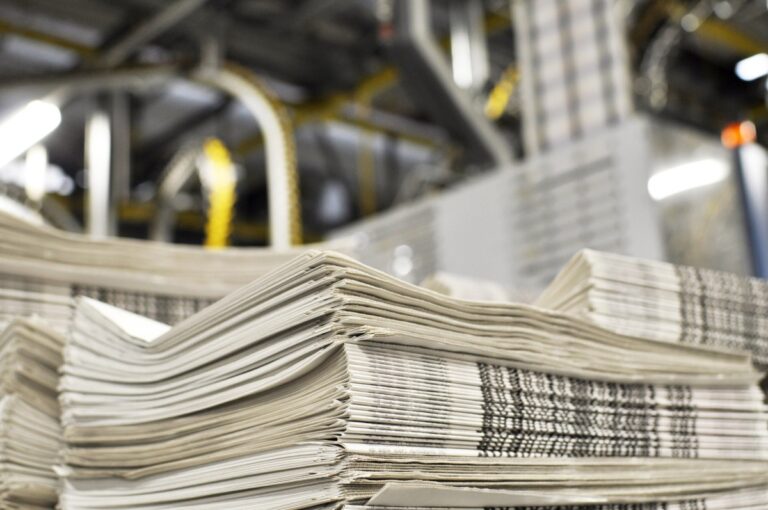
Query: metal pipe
99	217
282	180
176	175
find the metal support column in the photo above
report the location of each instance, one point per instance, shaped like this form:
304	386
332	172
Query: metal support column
120	123
751	166
99	216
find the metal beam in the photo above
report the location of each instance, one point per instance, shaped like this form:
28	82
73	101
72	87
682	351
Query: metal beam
175	177
85	81
332	106
427	77
119	109
82	50
385	123
163	20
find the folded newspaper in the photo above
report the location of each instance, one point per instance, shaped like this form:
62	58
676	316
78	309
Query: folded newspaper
30	436
327	383
666	302
42	268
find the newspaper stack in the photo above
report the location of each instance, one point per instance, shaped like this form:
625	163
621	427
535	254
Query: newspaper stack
42	268
747	499
666	302
30	436
326	383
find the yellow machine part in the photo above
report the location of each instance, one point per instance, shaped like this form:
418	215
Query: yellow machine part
221	198
501	93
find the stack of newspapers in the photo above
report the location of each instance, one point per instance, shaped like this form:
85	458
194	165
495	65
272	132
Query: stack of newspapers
666	302
30	436
326	383
42	269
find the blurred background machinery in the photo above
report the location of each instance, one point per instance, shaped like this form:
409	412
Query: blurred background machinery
481	137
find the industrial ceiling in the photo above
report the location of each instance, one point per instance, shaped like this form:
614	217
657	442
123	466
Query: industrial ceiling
333	63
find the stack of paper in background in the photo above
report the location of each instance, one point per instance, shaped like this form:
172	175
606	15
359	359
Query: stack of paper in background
328	383
666	302
574	67
42	268
30	435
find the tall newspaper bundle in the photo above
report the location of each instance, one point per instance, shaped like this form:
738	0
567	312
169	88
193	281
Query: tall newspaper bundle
30	436
327	383
666	302
42	268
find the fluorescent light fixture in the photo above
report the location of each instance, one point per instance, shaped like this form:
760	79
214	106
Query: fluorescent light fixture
36	172
685	177
26	128
752	68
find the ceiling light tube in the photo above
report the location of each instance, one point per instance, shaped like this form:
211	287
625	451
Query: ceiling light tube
26	127
686	177
752	68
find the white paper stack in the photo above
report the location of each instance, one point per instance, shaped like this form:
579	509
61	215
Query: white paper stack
42	268
30	435
574	68
328	383
666	302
